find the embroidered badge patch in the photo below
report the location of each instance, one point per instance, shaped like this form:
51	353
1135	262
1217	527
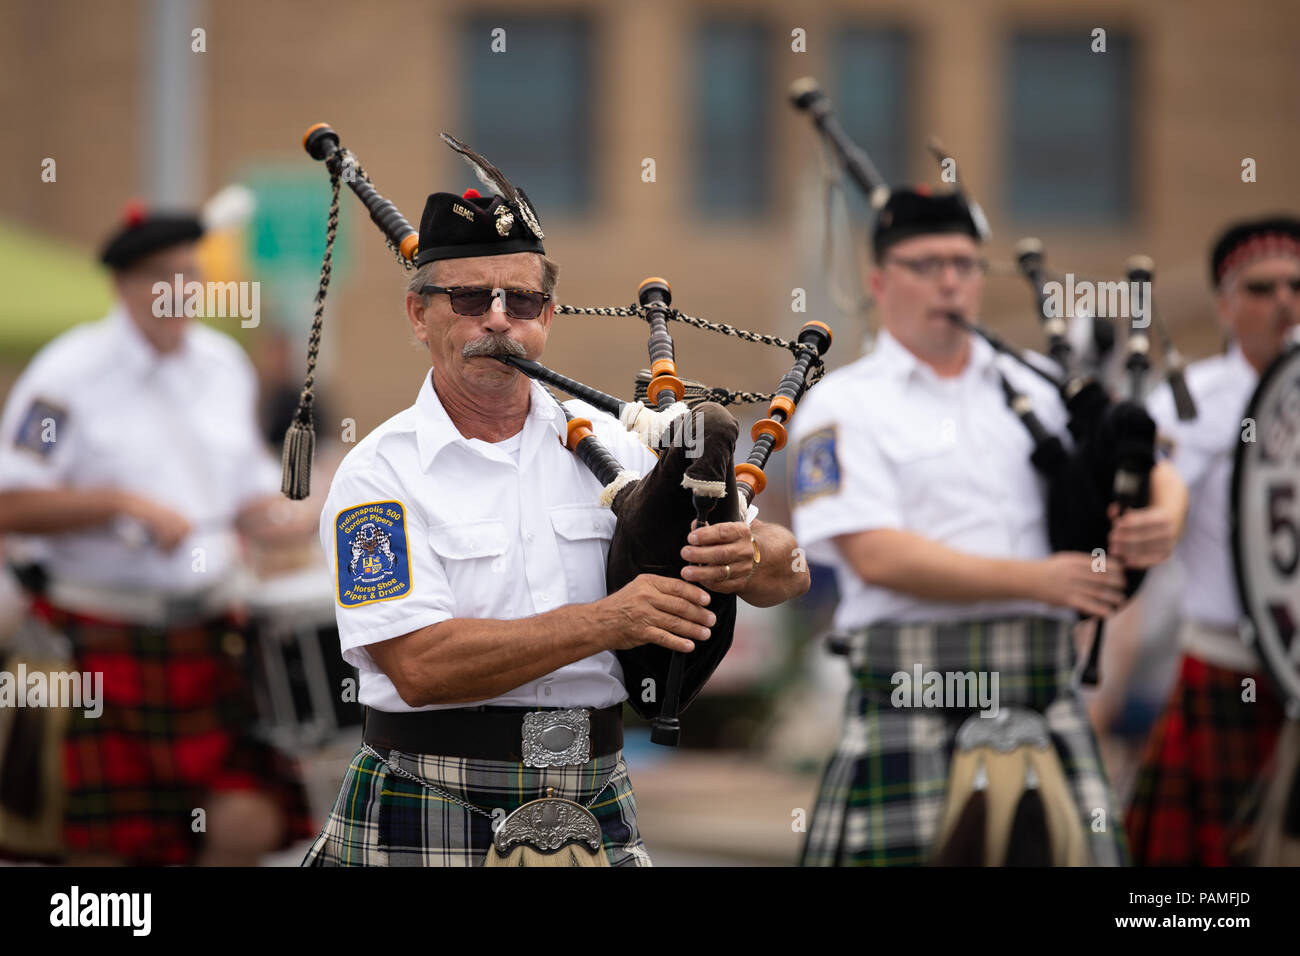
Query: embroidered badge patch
817	471
374	562
40	428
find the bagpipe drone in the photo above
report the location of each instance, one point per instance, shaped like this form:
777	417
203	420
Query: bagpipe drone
655	511
1111	454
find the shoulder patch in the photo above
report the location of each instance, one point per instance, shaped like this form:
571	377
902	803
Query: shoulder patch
817	470
39	428
374	560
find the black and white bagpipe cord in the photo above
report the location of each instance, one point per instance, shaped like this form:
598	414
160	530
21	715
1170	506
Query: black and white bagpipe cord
299	443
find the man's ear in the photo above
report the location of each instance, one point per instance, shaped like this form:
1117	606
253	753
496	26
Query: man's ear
417	313
876	280
1223	307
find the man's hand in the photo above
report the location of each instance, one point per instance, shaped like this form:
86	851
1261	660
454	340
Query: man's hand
274	520
721	557
1066	579
166	528
652	609
1142	537
754	561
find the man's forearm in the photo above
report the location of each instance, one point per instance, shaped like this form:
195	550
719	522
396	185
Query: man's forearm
775	579
906	562
467	659
1168	492
50	511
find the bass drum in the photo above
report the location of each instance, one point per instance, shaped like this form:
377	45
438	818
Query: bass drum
306	694
1265	517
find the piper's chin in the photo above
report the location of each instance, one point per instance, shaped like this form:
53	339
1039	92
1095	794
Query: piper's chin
487	371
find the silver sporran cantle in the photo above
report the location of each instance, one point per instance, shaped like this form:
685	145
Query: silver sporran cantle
549	831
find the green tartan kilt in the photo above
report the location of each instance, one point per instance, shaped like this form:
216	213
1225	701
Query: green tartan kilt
382	819
882	796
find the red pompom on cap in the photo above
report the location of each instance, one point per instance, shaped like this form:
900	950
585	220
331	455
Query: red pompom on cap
472	194
134	213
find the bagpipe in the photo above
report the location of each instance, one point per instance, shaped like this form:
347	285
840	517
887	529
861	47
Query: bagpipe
1111	452
683	422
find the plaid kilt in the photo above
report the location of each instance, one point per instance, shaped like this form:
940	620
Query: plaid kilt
176	726
382	819
1204	758
882	797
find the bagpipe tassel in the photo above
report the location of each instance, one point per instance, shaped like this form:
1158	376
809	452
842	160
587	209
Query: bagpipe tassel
295	463
300	438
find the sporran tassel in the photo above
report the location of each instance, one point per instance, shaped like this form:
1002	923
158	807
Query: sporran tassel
965	845
1030	843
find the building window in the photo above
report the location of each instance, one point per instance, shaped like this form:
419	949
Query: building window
533	123
1070	139
733	107
871	96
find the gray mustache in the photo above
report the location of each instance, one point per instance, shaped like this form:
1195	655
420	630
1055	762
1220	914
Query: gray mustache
493	345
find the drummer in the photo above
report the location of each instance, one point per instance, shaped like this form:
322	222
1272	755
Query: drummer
470	556
1209	748
130	462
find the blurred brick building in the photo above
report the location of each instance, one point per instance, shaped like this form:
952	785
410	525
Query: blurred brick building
1137	149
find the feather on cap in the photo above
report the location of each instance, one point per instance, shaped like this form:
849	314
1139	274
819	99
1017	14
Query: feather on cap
495	180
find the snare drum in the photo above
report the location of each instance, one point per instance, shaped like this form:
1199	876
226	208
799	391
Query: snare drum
306	693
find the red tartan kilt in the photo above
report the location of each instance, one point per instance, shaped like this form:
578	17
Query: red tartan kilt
1204	757
176	727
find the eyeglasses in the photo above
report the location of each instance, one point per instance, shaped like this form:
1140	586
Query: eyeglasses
1268	287
475	300
932	267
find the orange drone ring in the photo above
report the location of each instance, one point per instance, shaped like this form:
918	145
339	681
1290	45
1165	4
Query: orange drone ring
783	405
821	325
311	129
768	426
579	428
661	382
753	476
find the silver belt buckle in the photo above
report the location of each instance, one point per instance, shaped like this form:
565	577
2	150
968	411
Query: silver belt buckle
557	738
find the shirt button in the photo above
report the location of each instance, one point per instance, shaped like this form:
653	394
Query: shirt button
473	543
545	596
546	691
528	536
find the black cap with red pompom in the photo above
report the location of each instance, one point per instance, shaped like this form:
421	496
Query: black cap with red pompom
142	233
470	225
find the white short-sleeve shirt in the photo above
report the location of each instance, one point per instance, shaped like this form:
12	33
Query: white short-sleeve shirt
886	443
1203	454
474	530
99	407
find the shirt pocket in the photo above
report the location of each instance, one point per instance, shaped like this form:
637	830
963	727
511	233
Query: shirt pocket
582	536
933	490
473	556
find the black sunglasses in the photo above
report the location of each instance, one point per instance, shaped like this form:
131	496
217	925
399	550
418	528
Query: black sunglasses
1268	287
475	300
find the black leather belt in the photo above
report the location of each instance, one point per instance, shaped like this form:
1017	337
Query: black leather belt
485	733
